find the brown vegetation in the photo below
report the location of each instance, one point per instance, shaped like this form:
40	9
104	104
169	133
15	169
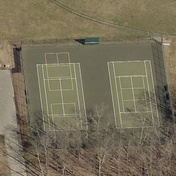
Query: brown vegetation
4	168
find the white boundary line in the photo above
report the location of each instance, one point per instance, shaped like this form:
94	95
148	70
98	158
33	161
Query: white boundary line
51	115
56	64
133	93
149	90
117	95
121	95
137	112
146	103
71	75
57	58
128	76
45	93
108	64
83	94
62	98
133	100
52	79
154	93
136	88
41	102
77	92
127	61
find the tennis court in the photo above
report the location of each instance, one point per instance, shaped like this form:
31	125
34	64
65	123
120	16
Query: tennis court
61	91
133	93
64	83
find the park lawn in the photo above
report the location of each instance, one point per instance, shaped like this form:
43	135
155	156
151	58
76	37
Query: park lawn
42	19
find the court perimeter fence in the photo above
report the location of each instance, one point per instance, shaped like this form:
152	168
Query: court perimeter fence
78	41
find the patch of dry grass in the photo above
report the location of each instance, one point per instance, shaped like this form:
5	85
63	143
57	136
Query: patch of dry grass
41	19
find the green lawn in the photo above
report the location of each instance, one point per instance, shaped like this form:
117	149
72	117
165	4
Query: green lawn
41	19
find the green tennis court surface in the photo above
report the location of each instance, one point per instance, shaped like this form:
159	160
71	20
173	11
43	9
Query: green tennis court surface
61	93
132	89
64	84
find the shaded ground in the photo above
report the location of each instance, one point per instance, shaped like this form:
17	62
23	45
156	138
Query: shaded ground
170	55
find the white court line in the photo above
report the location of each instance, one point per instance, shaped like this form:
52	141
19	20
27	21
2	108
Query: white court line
133	100
45	93
65	78
83	94
121	95
57	58
139	112
149	91
52	115
112	95
56	64
128	61
41	102
71	74
47	74
65	90
133	93
136	88
62	98
117	95
77	92
146	103
128	76
154	94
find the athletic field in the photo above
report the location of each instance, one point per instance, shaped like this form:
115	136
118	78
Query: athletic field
66	82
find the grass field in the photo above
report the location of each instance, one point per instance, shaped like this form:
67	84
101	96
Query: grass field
41	19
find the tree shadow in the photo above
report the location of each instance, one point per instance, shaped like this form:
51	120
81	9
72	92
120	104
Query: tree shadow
17	60
81	41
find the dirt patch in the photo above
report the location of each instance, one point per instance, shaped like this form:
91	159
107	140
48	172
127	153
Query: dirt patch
6	55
